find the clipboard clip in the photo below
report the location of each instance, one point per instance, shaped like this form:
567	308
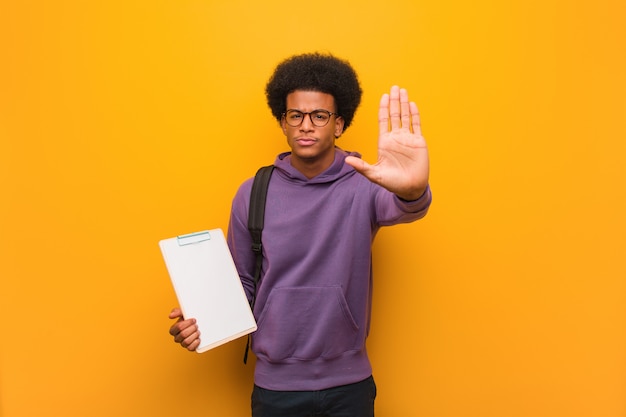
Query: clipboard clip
191	238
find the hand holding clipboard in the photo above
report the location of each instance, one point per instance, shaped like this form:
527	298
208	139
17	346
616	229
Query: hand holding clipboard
208	289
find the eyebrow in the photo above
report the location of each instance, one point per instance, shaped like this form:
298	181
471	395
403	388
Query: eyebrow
301	111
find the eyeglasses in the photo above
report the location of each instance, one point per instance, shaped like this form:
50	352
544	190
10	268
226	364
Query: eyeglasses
319	118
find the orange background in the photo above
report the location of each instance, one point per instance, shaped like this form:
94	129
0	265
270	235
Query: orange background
126	122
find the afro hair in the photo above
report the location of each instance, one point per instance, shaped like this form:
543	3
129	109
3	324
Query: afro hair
315	72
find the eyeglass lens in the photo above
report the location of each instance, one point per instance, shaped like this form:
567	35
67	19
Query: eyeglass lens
319	118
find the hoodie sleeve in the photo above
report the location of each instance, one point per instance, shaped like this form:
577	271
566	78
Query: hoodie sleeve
239	239
391	209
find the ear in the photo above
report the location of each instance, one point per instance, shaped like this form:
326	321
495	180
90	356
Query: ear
339	122
283	125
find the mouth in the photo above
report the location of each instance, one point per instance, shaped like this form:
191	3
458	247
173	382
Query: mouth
306	141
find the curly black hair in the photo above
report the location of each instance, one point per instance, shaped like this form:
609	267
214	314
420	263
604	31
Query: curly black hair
315	72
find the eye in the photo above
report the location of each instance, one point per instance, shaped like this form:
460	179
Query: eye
320	115
294	115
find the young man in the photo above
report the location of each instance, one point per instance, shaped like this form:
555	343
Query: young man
324	207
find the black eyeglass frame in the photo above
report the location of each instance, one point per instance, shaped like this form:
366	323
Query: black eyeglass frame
310	113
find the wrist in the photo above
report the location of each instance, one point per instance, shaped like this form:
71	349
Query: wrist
413	196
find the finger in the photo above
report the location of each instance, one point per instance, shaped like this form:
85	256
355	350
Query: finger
191	340
184	333
416	123
358	164
181	326
394	107
383	114
175	329
193	345
362	167
175	313
405	115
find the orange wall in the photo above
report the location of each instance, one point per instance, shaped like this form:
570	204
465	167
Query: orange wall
125	122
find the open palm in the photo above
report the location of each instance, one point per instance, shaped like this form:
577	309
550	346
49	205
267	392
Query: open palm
402	165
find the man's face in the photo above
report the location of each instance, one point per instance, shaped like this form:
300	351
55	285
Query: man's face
312	147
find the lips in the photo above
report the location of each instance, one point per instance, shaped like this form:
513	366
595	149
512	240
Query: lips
306	141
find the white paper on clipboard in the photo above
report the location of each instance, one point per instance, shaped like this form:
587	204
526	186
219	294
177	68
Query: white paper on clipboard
208	287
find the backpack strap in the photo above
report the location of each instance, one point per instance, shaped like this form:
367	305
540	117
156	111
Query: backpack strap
256	218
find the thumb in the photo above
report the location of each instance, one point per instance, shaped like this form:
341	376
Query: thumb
175	313
358	164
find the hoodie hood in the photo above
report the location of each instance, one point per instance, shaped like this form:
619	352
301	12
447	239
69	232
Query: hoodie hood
337	170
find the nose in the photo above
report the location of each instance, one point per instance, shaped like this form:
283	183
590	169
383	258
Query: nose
307	124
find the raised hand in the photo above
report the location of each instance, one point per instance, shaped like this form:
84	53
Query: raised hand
402	165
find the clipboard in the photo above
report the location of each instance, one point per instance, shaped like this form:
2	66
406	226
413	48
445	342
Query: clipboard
208	287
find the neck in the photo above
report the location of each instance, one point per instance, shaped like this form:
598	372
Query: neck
311	168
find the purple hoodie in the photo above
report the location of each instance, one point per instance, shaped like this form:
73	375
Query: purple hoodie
314	297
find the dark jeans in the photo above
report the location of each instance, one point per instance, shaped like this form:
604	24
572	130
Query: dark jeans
353	400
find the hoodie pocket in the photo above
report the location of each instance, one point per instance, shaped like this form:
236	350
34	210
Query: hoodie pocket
305	323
